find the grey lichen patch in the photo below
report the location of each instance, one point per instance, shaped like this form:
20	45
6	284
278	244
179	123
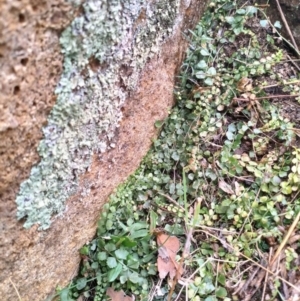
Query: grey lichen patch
97	46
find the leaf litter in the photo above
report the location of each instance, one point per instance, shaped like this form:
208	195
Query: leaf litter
168	246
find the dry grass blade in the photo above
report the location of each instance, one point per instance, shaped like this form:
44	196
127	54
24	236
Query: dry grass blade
171	200
293	62
154	289
266	277
266	97
286	238
286	25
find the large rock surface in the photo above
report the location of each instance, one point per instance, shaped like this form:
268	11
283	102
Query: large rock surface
34	262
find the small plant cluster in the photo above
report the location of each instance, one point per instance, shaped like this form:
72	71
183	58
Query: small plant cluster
225	169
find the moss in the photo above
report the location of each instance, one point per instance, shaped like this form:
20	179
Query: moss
96	46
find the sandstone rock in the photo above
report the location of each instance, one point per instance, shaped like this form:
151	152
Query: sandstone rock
139	92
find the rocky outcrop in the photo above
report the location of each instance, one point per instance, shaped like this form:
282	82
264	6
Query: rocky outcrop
74	125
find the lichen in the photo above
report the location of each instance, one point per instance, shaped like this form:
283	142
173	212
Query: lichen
96	46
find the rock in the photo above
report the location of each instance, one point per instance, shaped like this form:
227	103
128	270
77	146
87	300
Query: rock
105	104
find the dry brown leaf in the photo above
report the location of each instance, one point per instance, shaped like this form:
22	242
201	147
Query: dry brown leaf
244	84
237	188
118	295
166	262
225	187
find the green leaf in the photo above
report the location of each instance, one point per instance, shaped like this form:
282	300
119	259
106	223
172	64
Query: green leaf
95	265
251	10
210	298
123	278
201	65
133	263
263	23
200	74
241	11
138	226
110	247
134	277
114	273
230	19
212	71
159	123
153	220
64	295
101	256
111	262
276	181
277	24
221	292
99	278
229	135
147	258
175	156
139	234
209	81
121	253
221	279
84	250
128	242
232	127
109	224
81	283
86	294
204	52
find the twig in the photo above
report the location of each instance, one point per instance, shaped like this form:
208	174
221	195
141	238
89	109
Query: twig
216	229
19	297
155	288
265	97
177	297
171	200
292	61
266	277
246	284
286	238
286	25
283	83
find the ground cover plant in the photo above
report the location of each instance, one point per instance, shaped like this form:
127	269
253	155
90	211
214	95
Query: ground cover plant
212	213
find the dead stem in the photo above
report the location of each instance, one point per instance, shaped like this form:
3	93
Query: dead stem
286	238
286	24
266	97
266	276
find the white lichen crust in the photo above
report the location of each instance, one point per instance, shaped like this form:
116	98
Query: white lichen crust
89	98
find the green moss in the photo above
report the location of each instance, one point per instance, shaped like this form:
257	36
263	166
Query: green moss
87	112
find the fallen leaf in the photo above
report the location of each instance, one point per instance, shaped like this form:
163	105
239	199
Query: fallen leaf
166	262
118	295
225	187
244	84
237	188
